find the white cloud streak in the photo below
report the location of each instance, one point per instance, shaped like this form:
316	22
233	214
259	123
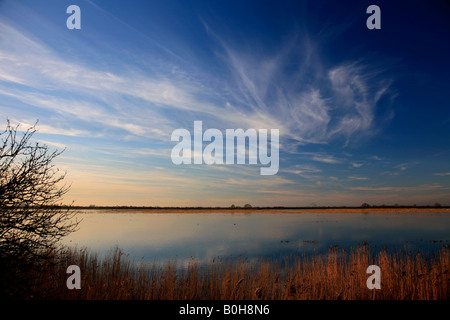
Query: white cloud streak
263	96
317	104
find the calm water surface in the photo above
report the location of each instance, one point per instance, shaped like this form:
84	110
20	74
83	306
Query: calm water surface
204	236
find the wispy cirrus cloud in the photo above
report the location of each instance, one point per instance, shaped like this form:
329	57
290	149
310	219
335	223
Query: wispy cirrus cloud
322	157
357	178
47	129
37	76
113	92
42	79
317	104
356	96
398	189
302	169
357	164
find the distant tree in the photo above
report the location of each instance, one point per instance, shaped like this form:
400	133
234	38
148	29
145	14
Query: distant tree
247	206
31	219
365	205
233	206
437	205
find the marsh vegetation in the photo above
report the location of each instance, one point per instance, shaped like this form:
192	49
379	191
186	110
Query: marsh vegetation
337	275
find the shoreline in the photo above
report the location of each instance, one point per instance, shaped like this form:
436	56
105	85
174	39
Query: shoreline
271	210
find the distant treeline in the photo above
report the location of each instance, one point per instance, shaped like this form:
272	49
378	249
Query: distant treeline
249	207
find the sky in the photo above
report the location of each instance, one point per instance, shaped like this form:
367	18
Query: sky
363	114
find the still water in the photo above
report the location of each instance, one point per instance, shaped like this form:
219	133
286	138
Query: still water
204	236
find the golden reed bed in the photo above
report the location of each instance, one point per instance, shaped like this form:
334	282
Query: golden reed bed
339	274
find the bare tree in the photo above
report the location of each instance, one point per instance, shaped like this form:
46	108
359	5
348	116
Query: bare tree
31	219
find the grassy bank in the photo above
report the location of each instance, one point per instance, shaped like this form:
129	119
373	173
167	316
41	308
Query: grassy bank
270	210
340	274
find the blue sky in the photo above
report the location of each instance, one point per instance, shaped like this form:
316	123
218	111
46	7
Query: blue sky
363	114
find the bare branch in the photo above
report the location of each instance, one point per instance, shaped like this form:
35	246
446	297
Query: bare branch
31	217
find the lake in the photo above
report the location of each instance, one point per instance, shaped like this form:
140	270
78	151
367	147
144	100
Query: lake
203	236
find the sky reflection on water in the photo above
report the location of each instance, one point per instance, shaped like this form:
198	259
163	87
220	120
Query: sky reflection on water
203	236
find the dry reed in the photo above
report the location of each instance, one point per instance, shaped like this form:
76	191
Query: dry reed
338	274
